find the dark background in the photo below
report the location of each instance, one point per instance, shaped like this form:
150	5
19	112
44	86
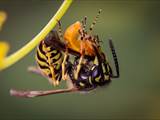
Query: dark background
134	27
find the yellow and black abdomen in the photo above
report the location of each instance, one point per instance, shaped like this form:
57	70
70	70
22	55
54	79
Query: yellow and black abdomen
49	60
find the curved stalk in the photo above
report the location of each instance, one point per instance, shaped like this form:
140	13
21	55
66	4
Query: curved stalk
19	54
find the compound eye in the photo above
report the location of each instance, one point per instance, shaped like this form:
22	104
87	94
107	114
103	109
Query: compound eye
95	72
84	76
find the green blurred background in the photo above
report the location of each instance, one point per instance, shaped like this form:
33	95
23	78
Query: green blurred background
135	29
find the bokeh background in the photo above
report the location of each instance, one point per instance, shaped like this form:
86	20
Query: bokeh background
135	29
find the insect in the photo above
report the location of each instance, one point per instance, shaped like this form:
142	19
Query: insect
89	69
98	72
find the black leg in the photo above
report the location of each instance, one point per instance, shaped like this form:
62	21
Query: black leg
60	30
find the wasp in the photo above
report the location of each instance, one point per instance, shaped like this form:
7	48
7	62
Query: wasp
89	68
89	73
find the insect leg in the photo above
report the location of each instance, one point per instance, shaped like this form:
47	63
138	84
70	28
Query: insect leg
60	29
31	94
80	61
63	64
115	59
69	83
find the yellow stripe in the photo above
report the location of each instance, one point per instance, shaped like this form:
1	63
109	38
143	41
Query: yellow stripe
98	78
93	68
108	68
46	71
81	84
57	66
57	56
47	48
54	51
59	61
44	48
103	68
96	61
90	80
41	63
41	55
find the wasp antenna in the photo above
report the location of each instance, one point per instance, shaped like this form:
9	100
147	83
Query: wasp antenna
115	58
95	20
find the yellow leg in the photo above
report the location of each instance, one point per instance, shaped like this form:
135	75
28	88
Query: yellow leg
79	67
51	67
60	30
63	65
53	75
80	61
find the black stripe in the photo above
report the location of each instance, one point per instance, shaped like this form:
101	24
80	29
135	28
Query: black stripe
54	60
54	54
41	48
50	75
43	67
41	59
56	71
52	49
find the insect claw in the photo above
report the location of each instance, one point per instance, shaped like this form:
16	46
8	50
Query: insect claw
57	82
52	82
64	77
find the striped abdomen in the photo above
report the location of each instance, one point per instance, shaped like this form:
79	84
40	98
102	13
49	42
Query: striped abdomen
49	61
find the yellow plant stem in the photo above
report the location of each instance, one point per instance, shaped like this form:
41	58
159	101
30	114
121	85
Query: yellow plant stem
8	61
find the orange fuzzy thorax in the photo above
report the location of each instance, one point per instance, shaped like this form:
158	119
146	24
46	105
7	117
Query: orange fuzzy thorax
71	36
